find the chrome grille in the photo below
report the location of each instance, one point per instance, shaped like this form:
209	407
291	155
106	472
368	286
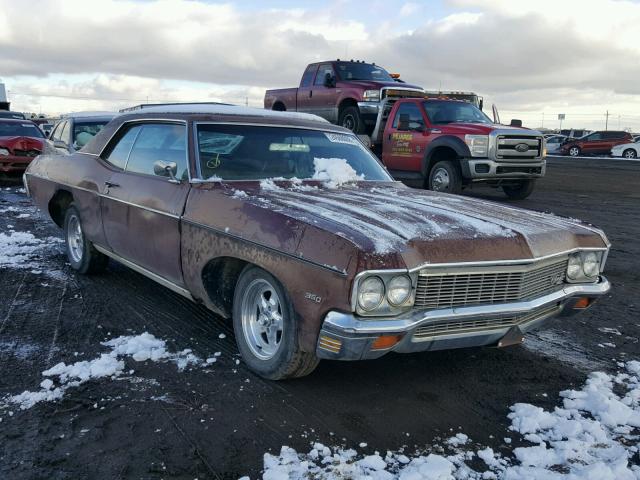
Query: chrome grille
474	325
508	147
446	290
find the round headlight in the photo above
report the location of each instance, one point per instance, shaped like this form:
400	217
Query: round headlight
371	293
591	265
574	269
398	289
4	151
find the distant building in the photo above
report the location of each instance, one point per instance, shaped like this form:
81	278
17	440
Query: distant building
4	104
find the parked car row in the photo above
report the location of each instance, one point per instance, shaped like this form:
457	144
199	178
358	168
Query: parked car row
290	227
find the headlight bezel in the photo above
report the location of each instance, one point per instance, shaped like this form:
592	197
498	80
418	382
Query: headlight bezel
579	258
371	95
386	307
478	145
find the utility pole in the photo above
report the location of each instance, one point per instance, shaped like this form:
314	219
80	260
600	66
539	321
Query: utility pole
542	119
606	122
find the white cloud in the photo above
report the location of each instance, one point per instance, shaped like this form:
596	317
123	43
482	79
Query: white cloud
526	56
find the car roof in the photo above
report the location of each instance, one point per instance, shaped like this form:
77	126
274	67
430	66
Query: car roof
92	115
223	109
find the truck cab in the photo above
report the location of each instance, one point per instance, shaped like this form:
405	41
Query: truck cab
447	145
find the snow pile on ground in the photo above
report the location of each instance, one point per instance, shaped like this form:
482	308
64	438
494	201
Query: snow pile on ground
18	249
140	348
334	171
594	435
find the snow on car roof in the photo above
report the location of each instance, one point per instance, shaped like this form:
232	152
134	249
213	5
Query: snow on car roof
228	110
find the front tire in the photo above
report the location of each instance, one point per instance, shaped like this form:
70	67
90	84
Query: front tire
629	153
350	118
520	191
266	329
574	151
445	177
81	253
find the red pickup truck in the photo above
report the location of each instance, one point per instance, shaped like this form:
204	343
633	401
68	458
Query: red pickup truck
346	93
447	145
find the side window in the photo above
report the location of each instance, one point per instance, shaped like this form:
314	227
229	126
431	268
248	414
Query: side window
594	136
415	116
307	76
65	136
159	142
120	151
322	71
57	131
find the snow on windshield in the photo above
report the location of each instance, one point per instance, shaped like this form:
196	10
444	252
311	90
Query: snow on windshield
334	171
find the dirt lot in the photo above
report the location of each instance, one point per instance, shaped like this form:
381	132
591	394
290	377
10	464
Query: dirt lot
217	422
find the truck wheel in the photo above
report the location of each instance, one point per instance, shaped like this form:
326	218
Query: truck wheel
265	327
629	153
81	253
445	177
350	118
574	151
519	191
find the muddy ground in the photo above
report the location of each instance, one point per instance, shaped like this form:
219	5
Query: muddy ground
217	422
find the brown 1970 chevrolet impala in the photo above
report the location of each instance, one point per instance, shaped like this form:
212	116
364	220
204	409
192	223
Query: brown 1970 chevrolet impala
291	227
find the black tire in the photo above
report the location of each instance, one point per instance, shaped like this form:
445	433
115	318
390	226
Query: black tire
288	361
81	253
629	153
445	177
519	191
574	152
350	118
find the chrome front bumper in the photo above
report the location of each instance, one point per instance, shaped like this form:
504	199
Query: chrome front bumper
492	171
345	336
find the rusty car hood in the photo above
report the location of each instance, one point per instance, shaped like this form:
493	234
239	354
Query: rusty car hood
392	225
22	143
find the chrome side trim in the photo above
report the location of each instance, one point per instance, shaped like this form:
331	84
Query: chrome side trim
102	195
153	276
266	247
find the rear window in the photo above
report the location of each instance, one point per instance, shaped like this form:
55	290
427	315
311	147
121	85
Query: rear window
240	152
20	129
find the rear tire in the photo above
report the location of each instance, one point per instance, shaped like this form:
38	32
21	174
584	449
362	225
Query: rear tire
265	327
629	153
350	118
445	177
520	191
81	253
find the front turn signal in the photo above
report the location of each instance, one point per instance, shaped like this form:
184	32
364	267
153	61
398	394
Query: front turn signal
385	341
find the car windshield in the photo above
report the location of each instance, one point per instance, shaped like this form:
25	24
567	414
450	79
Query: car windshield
19	129
362	71
441	112
85	131
240	152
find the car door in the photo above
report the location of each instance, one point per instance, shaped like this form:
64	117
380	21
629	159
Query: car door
322	99
404	145
306	88
142	204
593	143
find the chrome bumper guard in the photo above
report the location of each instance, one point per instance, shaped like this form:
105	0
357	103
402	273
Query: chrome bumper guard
492	172
345	336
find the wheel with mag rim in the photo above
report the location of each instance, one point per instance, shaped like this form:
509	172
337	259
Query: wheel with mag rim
81	253
265	327
629	153
574	151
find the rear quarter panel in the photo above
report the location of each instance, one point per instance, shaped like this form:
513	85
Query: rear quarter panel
287	96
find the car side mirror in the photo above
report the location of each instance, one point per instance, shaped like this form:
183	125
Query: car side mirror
166	169
516	123
59	144
403	121
329	80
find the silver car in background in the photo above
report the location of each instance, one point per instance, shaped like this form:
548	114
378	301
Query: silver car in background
74	130
553	142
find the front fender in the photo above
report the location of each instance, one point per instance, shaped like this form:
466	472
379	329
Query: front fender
449	141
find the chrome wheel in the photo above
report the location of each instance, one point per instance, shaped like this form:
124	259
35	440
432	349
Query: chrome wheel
262	322
574	151
75	239
441	180
629	153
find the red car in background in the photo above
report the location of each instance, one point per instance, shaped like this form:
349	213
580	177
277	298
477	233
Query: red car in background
595	143
20	142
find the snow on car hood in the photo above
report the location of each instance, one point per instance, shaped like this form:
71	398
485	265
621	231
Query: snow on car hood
422	226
